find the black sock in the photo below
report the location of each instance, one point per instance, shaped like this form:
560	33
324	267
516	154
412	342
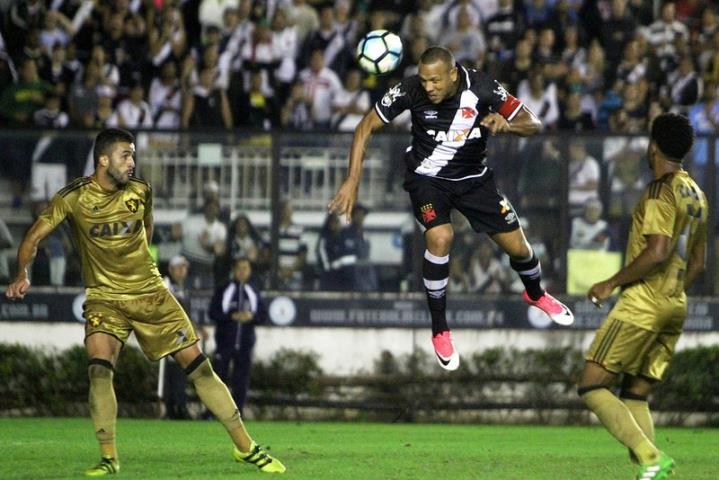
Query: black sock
530	272
435	273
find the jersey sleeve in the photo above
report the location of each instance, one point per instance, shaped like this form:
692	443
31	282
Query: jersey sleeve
496	97
660	213
56	212
395	101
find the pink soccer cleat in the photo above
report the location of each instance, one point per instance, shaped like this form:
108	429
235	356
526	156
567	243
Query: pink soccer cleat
556	310
447	355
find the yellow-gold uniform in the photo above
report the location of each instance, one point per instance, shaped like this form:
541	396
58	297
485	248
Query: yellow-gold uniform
639	334
123	286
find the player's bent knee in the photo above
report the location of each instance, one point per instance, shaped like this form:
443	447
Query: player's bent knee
99	368
199	367
583	390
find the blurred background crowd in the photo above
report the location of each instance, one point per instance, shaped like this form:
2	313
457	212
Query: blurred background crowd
606	66
580	65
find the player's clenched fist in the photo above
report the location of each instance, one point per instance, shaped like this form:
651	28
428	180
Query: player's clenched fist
17	289
495	123
345	199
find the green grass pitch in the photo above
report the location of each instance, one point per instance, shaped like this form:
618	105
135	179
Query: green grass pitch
60	448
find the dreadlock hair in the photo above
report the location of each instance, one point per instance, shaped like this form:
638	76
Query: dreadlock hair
106	139
673	134
437	54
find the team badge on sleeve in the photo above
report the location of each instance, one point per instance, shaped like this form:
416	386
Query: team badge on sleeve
392	95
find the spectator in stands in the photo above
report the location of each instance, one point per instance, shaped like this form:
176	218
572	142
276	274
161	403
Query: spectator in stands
365	275
211	11
517	69
573	117
175	379
204	239
350	103
244	240
685	85
236	307
336	257
704	116
485	269
540	97
19	101
321	85
292	257
503	29
104	111
84	96
635	106
205	105
304	17
109	73
133	112
327	39
285	41
51	116
624	157
590	231
459	281
57	73
260	55
165	97
617	31
258	106
584	175
466	42
663	35
296	113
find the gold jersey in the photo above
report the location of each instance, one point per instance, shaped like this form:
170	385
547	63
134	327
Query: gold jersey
676	207
108	229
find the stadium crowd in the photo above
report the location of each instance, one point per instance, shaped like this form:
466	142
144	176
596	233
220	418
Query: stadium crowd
580	65
602	65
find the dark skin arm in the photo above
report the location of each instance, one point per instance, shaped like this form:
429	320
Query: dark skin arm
149	225
524	124
656	251
696	264
346	196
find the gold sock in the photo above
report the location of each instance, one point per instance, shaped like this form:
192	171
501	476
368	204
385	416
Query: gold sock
103	405
618	420
640	412
215	395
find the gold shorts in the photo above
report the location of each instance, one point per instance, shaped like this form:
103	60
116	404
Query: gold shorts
622	347
160	324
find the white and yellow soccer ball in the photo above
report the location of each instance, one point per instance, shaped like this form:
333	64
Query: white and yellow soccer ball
379	52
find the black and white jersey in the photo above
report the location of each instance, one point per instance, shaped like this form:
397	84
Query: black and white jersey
447	139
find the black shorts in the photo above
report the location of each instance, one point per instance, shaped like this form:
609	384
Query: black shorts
476	198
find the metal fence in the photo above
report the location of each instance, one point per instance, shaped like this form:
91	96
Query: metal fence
552	180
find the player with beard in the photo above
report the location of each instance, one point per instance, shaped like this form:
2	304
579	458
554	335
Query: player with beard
110	214
454	109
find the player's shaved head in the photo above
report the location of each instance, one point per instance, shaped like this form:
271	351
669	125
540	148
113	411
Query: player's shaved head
106	139
673	135
437	54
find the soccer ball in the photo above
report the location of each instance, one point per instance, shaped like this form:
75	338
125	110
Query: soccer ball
379	52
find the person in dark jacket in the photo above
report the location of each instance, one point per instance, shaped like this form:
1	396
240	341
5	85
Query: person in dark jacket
337	256
236	308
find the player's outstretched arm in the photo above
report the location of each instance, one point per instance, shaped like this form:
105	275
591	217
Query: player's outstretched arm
346	196
25	255
524	124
